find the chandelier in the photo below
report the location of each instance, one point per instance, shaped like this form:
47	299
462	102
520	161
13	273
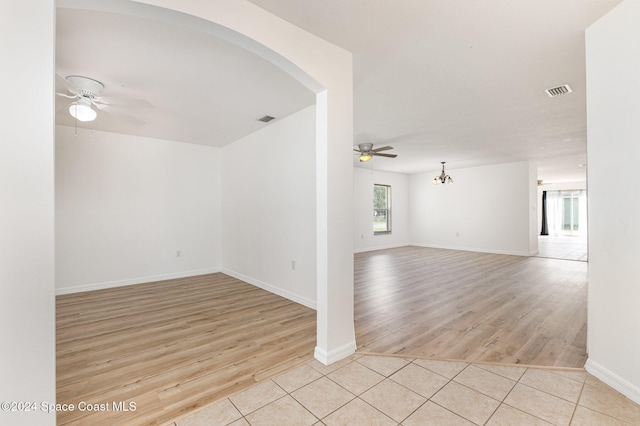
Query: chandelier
443	178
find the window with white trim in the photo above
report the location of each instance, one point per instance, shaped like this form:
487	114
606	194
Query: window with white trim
381	209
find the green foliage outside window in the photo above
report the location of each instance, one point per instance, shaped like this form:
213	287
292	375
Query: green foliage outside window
381	209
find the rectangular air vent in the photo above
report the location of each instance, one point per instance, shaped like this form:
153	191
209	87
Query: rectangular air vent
557	91
266	119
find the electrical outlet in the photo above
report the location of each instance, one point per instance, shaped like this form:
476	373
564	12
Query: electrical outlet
293	265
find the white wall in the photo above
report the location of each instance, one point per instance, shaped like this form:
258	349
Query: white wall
363	237
27	304
125	205
613	112
269	208
327	70
489	209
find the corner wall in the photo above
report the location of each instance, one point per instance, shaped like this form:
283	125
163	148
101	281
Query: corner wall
488	209
27	303
613	111
269	208
126	205
363	238
327	70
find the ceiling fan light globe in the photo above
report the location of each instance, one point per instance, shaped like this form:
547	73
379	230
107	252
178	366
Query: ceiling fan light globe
82	112
365	157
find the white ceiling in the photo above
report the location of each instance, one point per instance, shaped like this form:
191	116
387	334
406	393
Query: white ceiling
460	81
202	89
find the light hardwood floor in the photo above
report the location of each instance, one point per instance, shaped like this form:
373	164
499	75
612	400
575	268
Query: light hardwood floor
469	306
178	345
172	346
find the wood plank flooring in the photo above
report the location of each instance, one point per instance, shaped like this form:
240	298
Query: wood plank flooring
172	346
476	307
178	345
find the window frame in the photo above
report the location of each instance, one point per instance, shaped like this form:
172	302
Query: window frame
573	213
387	209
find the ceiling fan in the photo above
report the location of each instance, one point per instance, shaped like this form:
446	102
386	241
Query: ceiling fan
86	93
367	152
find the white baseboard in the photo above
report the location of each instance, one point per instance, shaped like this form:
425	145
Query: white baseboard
473	249
383	247
273	289
616	382
131	281
336	354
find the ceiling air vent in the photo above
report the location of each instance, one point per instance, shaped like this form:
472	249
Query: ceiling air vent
557	91
266	119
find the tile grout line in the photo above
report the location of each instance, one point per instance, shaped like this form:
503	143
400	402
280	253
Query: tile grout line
575	404
516	408
506	395
594	409
429	398
365	391
294	398
347	390
500	401
323	376
575	408
442	387
387	376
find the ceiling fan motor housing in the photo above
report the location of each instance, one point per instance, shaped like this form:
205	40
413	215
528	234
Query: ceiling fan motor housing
365	147
85	86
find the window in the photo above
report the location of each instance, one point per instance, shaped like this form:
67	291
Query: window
381	209
567	212
570	211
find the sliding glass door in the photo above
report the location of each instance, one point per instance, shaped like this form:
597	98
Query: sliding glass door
567	212
570	212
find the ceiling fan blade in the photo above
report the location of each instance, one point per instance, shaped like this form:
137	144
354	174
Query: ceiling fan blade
385	155
61	81
115	111
384	148
64	95
123	102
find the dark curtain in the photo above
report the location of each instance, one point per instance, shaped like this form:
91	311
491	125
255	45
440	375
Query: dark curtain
545	230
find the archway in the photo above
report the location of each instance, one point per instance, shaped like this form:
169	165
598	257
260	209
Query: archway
327	71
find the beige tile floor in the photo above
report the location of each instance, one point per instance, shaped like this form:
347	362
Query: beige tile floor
563	247
382	390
